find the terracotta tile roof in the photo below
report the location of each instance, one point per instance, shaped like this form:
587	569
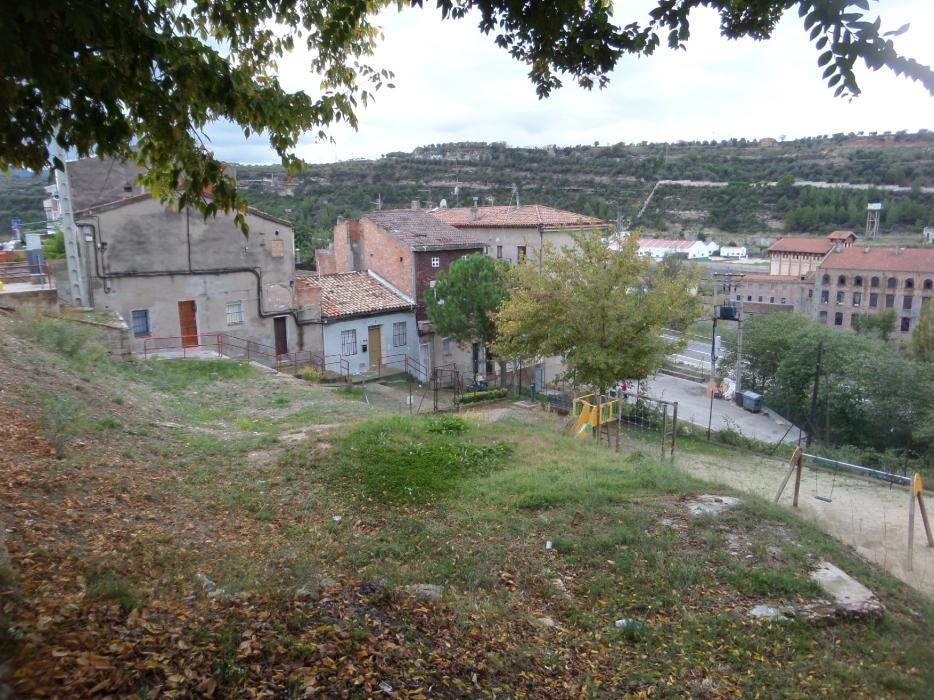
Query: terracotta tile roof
421	231
528	216
812	246
920	260
347	294
841	235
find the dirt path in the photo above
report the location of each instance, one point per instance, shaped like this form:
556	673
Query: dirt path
869	516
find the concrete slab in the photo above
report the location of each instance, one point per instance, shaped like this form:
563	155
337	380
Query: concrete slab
849	596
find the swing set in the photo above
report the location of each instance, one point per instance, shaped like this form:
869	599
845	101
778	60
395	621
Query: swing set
914	483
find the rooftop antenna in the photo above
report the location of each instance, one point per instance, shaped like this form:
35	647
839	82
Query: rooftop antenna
873	213
378	202
515	195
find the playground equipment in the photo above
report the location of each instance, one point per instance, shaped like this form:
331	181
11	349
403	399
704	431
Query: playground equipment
914	483
591	414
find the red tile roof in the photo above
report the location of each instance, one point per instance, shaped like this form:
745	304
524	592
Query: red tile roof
919	260
841	235
528	216
421	231
812	246
347	294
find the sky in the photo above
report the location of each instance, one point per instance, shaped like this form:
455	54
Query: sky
454	84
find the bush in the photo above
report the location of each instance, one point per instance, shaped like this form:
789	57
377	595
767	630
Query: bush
60	421
490	395
446	425
309	374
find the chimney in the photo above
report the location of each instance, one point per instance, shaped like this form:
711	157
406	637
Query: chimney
474	212
866	249
414	204
836	248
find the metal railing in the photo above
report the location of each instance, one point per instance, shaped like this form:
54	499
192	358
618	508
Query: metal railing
226	345
38	274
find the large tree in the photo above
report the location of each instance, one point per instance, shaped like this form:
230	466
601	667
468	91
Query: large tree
141	79
603	312
462	302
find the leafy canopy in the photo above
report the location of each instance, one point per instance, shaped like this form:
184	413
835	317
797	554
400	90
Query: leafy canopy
603	312
462	301
141	80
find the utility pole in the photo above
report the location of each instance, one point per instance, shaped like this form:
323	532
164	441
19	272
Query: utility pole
814	393
77	281
739	346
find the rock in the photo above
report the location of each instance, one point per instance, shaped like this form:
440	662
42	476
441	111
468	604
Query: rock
850	598
711	505
545	622
428	591
782	613
629	624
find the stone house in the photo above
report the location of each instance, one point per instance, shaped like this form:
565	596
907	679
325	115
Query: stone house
175	274
518	233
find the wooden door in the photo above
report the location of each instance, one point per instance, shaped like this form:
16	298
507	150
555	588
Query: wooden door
188	323
282	337
375	345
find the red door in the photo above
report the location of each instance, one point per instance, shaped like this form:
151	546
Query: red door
188	323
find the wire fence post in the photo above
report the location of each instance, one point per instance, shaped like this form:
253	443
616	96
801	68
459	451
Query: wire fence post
674	429
664	427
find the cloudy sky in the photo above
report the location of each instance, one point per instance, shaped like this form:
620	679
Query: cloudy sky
454	84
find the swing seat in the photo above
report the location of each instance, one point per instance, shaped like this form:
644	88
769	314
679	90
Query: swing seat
825	499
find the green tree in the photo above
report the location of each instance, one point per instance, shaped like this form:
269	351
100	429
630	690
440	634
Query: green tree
141	80
462	302
54	248
604	313
879	325
922	339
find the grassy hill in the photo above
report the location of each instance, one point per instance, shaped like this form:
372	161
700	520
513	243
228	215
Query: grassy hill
204	529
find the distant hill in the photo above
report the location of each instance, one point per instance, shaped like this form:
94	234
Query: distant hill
736	189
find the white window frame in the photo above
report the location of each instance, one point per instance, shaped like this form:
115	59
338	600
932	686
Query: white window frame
148	333
399	333
446	345
349	342
233	313
436	262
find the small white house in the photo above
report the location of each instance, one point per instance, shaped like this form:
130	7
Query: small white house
658	248
364	321
729	251
712	247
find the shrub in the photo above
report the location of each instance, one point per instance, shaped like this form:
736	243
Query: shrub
60	421
309	374
446	425
76	342
490	395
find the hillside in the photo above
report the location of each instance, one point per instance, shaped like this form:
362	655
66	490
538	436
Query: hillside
736	188
200	528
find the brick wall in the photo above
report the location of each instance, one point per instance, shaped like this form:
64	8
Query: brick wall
425	273
325	261
386	255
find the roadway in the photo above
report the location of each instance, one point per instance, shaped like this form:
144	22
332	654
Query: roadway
694	407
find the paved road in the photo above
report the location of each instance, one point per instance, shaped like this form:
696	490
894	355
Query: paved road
694	407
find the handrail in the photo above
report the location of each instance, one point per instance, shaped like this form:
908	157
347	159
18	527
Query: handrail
235	346
26	272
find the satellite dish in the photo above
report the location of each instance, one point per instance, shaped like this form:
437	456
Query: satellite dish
443	204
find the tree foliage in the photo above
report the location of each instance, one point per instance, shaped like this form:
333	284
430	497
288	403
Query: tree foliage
871	394
602	312
922	339
880	325
141	80
462	302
